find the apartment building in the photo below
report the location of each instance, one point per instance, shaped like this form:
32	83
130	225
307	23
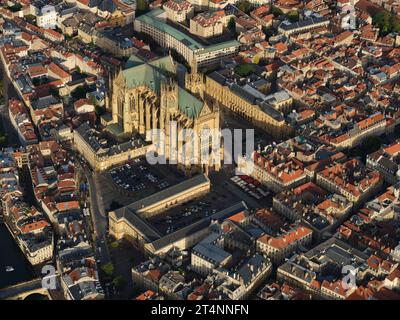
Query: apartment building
178	10
350	179
155	25
279	247
207	24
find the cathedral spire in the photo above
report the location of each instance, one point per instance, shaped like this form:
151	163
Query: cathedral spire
193	66
194	80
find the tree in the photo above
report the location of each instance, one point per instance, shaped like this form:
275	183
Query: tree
108	269
369	145
244	6
1	92
114	244
263	62
119	282
142	7
256	59
30	18
36	297
244	70
3	136
93	100
232	25
3	140
276	11
15	8
382	21
179	58
386	22
293	16
268	32
79	92
54	91
395	24
100	111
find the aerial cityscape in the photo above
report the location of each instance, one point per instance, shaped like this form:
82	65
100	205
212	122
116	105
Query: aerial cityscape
200	150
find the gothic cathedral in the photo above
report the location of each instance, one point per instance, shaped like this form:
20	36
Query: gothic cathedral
146	96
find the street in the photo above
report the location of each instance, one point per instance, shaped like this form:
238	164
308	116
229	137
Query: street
98	215
8	92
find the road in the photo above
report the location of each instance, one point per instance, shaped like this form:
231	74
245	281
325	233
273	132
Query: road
99	217
100	225
8	92
97	212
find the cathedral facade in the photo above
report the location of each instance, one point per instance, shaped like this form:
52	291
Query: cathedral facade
147	99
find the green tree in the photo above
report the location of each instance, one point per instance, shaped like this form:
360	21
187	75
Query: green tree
93	100
142	7
276	11
36	297
384	21
119	282
30	18
369	145
395	22
100	111
3	140
108	269
54	91
293	16
244	6
15	8
79	92
244	69
114	244
268	32
3	136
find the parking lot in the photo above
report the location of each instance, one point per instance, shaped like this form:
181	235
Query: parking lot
251	186
135	180
137	175
178	217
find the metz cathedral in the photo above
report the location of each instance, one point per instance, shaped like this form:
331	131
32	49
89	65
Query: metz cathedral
146	96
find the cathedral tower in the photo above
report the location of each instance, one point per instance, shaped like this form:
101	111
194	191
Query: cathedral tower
194	81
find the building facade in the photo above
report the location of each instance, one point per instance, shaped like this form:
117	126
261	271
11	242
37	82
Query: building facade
155	25
263	115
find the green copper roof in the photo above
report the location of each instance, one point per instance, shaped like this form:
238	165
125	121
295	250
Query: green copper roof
188	104
164	64
151	19
133	61
143	75
139	73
